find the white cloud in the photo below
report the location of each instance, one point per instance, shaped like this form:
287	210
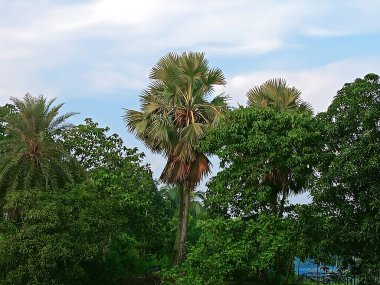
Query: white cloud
223	26
318	85
38	35
342	18
105	77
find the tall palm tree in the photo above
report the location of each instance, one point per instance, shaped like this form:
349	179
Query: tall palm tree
175	112
279	96
32	157
276	94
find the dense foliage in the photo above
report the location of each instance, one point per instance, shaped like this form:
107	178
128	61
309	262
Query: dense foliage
99	230
92	147
238	249
88	234
335	155
77	206
265	156
346	188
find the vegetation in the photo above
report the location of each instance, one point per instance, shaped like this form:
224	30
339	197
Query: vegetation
31	157
88	231
174	115
265	156
277	95
346	187
79	207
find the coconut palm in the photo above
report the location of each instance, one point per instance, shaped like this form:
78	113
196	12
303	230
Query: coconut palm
276	94
32	157
279	96
175	112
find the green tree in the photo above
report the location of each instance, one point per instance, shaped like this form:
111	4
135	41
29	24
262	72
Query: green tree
252	144
174	115
346	186
97	232
255	146
171	193
93	148
238	250
277	95
32	157
5	111
111	165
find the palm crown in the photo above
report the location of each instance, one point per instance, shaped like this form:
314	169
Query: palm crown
276	94
175	113
32	157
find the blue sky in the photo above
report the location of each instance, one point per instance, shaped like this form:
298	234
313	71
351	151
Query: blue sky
96	55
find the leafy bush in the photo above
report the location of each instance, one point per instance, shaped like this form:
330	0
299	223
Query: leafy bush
235	249
92	233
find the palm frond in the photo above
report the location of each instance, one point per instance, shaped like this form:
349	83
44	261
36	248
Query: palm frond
33	156
276	94
175	112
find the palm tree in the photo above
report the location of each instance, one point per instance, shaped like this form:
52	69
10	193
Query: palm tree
279	96
32	157
196	209
172	120
276	94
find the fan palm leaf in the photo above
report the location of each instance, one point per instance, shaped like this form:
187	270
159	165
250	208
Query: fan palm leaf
276	94
175	111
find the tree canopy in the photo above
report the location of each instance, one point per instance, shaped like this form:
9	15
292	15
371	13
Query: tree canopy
31	155
255	146
78	206
347	176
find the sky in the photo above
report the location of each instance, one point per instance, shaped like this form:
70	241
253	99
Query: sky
95	55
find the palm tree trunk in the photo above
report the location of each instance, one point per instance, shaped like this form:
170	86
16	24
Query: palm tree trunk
183	229
174	257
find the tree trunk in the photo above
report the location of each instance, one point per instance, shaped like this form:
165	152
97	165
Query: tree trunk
289	269
181	205
282	203
183	228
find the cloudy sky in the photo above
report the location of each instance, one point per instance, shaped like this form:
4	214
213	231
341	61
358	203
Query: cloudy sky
96	55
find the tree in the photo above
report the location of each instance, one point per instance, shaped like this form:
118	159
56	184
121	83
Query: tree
99	231
265	155
346	186
118	170
31	155
238	250
174	115
197	212
276	94
171	193
90	145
